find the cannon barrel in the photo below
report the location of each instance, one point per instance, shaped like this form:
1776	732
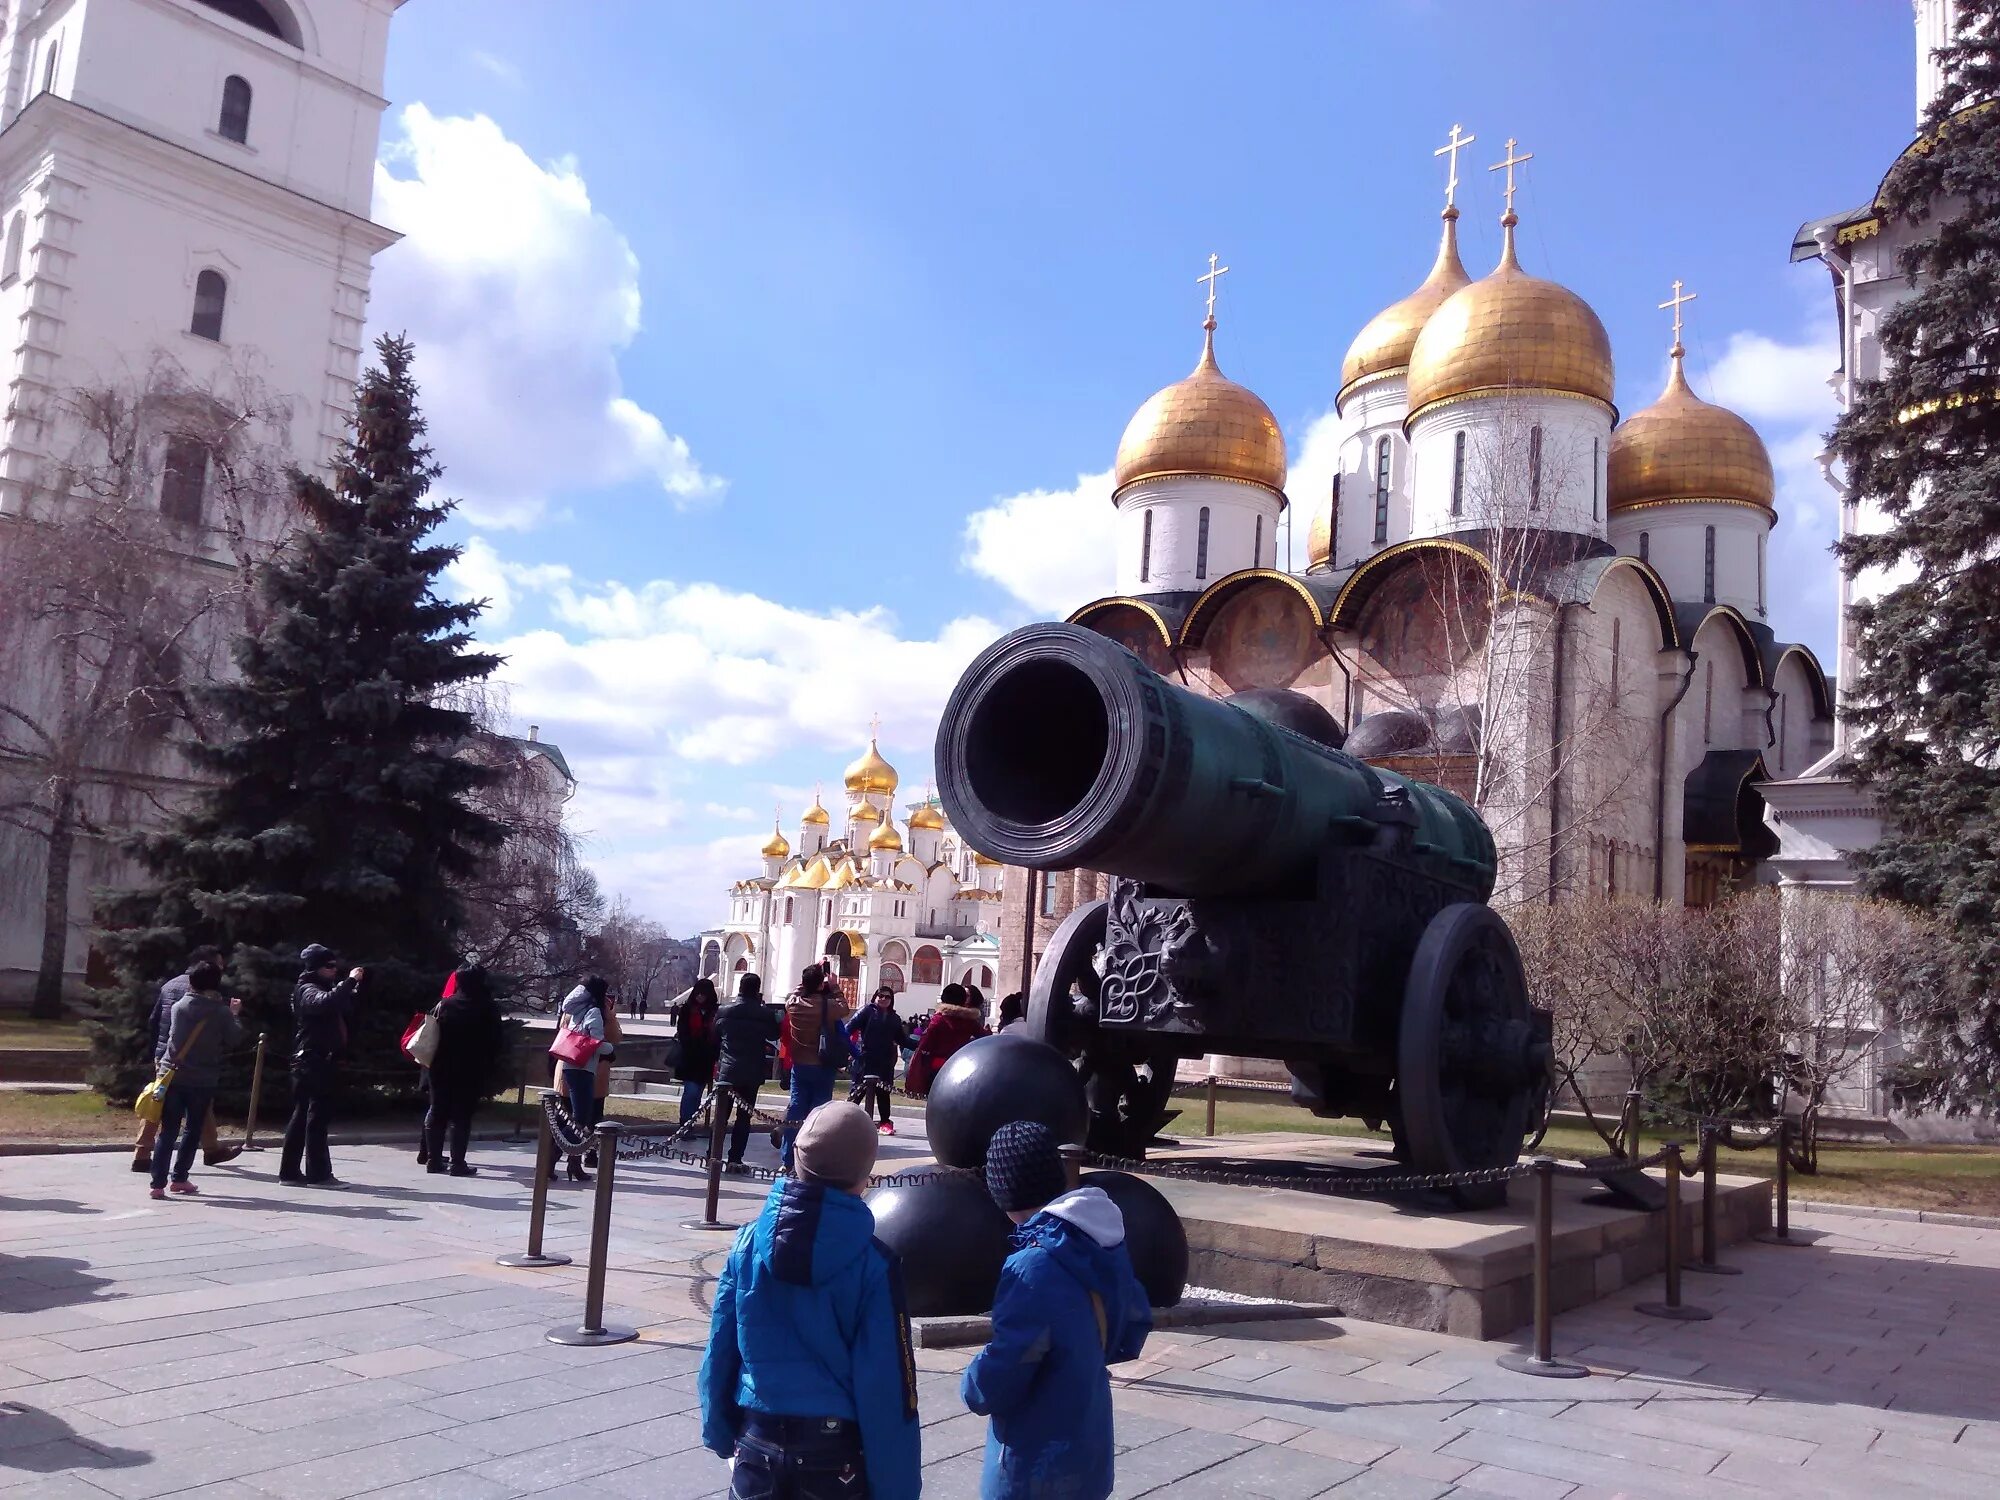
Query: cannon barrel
1060	749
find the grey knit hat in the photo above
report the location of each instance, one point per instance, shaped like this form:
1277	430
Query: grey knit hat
836	1146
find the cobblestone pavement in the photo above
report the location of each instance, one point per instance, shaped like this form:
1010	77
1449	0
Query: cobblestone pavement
264	1340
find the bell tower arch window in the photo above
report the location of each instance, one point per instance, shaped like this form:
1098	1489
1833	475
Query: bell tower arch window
1201	545
234	123
211	293
1146	545
1381	491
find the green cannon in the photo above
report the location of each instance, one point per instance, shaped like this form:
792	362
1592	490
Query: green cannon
1271	896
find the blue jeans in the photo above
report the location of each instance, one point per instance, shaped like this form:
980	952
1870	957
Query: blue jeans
180	1130
798	1458
580	1093
691	1091
812	1086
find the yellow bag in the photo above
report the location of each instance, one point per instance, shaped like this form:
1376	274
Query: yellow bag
152	1100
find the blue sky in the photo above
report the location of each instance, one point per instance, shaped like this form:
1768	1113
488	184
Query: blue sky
775	350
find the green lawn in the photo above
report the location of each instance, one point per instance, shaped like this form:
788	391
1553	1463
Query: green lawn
1961	1179
19	1031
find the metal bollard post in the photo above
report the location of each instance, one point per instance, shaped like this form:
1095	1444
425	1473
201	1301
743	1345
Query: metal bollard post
592	1332
1782	1235
1543	1361
538	1202
1673	1307
1072	1160
1711	1147
520	1093
256	1097
1628	1126
1211	1105
717	1131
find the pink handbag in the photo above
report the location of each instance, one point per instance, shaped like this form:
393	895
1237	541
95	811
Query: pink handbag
576	1048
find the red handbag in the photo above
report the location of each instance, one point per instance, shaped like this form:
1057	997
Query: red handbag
576	1048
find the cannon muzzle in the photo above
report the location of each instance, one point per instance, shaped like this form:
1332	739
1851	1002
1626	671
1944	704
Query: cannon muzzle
1060	749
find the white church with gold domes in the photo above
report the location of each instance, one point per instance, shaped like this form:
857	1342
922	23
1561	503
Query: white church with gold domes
1507	590
911	908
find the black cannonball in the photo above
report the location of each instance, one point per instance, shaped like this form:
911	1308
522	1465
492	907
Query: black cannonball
951	1239
1154	1236
995	1080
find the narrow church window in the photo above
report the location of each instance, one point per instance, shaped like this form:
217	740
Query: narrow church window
1145	546
1616	648
788	909
183	477
1381	492
1708	567
235	122
1784	704
1645	546
49	61
1257	545
1049	893
1333	527
1535	467
210	293
1201	545
17	228
1458	475
1708	705
1595	447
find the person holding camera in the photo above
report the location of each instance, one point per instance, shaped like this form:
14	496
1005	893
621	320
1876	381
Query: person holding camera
816	1015
322	1016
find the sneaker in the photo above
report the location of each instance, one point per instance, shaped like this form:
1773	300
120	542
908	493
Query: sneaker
324	1182
159	1192
435	1169
221	1154
887	1127
184	1189
463	1169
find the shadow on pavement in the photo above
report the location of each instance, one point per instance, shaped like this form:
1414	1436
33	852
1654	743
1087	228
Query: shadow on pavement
36	1283
38	1442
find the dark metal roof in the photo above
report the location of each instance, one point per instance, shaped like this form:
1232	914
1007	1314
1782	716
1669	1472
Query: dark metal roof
1721	808
544	748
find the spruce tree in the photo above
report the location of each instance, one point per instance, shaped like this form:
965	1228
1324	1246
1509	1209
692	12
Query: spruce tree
340	812
1923	444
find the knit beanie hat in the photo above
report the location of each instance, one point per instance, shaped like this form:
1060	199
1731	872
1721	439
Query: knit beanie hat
1024	1167
836	1146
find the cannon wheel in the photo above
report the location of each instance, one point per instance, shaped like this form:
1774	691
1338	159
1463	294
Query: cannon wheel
1465	986
1127	1106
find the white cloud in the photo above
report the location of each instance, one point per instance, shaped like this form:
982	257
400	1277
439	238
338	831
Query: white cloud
1051	549
519	296
487	62
481	573
1770	381
731	814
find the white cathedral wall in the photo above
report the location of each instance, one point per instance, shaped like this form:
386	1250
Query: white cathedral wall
1676	544
1371	413
1497	481
1611	719
1242	517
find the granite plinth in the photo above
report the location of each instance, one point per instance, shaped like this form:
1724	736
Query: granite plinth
1394	1260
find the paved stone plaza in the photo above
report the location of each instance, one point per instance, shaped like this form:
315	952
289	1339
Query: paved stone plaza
278	1341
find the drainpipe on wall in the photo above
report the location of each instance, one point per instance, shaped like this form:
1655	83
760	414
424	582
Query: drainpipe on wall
1556	745
1660	794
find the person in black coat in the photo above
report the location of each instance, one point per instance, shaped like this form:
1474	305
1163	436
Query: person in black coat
322	1006
470	1036
695	1066
745	1031
880	1035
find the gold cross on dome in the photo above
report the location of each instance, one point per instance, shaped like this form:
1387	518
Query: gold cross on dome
1676	302
1451	148
874	727
1510	163
1215	273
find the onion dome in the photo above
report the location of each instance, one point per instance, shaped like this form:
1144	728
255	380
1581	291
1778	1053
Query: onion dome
817	874
816	816
929	817
871	773
1684	448
1319	537
984	862
776	847
1510	331
1205	426
864	812
886	837
1384	344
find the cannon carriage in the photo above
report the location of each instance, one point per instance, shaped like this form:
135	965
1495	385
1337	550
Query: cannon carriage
1271	896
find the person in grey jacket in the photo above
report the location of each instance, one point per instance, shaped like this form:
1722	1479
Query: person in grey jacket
200	1029
212	1150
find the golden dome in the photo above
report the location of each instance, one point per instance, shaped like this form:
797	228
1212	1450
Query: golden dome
775	847
816	874
1384	344
886	837
871	773
929	816
1684	448
983	862
864	812
1510	331
1319	536
816	816
1204	425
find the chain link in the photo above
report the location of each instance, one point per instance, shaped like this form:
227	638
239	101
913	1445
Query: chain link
1332	1187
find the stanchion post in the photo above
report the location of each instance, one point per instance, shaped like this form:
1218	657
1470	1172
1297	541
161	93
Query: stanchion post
592	1332
521	1056
256	1095
1628	1127
1543	1361
1673	1307
1711	1147
719	1105
1782	1235
1210	1131
538	1202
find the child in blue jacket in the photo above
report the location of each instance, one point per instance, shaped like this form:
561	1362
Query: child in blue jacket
1068	1306
810	1382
